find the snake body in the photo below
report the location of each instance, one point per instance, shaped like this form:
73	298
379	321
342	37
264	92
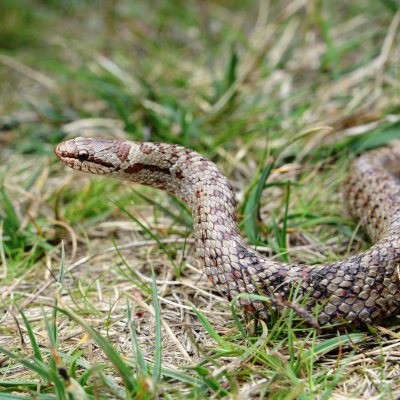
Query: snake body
362	289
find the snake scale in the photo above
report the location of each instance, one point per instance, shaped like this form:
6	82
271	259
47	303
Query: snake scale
362	289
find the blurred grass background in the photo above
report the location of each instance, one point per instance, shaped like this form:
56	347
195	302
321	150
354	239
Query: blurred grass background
237	81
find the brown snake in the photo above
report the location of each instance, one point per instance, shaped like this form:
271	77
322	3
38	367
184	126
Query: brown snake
361	289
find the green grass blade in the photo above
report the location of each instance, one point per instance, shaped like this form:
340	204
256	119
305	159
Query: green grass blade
60	282
85	376
210	381
276	230
76	391
119	391
252	206
15	384
157	345
119	364
173	374
72	365
34	395
238	323
183	217
209	328
9	210
11	222
330	344
181	264
137	282
285	257
32	337
43	371
49	328
137	352
336	378
391	5
149	233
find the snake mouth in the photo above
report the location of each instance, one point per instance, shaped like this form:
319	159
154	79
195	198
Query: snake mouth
63	154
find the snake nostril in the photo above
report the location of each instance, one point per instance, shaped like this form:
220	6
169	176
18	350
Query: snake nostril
60	150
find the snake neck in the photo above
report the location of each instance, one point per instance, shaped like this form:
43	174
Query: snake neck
197	181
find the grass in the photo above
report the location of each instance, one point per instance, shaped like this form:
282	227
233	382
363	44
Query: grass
282	96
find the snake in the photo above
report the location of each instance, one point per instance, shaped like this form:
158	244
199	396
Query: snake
362	289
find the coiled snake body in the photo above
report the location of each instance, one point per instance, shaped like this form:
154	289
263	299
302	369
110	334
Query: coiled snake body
361	289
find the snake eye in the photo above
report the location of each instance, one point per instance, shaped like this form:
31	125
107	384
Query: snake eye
83	155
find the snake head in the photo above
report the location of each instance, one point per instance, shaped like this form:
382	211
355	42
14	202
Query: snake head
95	156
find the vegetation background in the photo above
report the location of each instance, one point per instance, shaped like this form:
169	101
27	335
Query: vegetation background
102	294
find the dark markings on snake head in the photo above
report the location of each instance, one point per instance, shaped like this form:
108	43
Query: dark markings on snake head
101	162
83	155
135	168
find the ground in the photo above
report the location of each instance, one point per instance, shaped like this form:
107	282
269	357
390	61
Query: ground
282	96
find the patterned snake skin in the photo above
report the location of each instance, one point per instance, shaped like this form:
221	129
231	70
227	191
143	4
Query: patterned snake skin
361	289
